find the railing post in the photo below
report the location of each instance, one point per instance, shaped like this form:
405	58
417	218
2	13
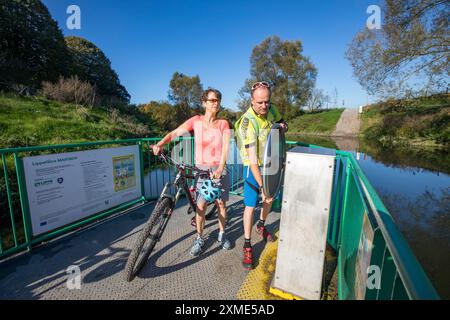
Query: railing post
23	199
335	202
348	170
8	193
141	168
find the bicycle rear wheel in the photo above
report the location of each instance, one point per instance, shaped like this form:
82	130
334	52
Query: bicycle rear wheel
146	240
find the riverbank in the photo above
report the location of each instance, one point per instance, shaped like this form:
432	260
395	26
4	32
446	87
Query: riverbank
419	123
319	123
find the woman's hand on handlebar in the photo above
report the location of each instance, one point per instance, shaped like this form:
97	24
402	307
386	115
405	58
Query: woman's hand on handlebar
217	174
156	149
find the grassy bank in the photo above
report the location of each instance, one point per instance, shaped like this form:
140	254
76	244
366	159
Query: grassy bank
422	122
316	123
31	121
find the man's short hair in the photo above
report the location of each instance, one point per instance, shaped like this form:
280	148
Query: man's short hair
216	92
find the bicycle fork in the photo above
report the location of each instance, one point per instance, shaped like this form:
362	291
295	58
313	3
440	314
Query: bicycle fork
166	216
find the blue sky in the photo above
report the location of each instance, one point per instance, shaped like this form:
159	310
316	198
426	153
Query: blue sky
147	41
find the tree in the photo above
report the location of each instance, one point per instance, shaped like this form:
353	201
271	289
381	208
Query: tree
91	64
408	54
291	74
162	113
317	100
32	46
186	93
229	115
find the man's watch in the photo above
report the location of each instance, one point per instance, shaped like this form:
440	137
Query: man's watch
260	189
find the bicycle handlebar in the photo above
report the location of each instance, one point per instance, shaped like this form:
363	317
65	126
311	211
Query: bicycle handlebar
183	166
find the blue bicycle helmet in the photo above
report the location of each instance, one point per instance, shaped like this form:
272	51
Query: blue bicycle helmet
209	191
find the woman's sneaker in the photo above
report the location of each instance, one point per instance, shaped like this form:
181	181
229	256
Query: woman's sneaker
224	242
197	247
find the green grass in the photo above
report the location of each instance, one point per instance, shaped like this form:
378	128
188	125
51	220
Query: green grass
318	123
30	121
422	122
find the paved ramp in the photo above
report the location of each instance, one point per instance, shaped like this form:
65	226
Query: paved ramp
101	253
348	125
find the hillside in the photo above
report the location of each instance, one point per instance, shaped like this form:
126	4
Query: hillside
31	121
317	123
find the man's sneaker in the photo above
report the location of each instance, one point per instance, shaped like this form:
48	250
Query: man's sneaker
197	247
265	235
194	221
224	242
247	262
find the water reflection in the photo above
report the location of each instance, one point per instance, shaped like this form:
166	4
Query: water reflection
415	187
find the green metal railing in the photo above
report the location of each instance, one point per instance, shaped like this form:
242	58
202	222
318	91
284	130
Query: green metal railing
15	222
357	215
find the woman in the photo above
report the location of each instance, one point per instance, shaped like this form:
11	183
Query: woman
212	138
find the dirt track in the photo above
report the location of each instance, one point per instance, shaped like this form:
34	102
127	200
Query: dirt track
348	125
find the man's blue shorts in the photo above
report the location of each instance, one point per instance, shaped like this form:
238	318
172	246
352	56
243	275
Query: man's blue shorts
251	193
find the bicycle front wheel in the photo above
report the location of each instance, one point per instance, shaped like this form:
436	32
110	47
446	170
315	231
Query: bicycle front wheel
146	241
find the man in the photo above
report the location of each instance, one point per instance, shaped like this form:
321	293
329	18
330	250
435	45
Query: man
253	128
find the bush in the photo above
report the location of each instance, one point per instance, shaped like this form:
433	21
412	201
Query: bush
128	122
70	90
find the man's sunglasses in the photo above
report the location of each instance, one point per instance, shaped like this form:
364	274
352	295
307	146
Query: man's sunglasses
260	84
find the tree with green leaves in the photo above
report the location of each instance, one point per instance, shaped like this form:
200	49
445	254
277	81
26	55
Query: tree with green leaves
162	113
186	94
32	47
410	52
291	74
91	64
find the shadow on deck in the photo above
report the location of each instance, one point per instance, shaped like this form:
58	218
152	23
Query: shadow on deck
101	252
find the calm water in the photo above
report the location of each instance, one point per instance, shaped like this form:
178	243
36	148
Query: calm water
415	187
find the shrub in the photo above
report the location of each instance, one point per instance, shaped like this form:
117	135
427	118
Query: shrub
70	90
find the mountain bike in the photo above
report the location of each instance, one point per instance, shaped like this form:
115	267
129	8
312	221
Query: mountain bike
157	222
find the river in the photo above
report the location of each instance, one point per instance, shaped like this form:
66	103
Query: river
415	188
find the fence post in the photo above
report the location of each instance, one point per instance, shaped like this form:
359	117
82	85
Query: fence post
23	199
141	168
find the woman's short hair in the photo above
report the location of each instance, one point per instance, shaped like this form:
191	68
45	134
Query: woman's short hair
216	92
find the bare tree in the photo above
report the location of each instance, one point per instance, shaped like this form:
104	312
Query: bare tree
317	100
409	53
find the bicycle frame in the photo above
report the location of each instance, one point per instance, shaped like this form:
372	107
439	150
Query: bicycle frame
180	184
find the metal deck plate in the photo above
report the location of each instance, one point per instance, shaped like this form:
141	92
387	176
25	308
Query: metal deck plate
101	253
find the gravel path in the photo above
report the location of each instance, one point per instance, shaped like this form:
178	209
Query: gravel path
348	125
